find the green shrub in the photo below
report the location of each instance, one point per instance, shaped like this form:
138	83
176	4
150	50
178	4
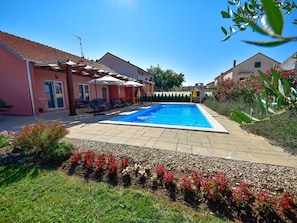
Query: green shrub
225	107
36	140
280	129
284	126
59	151
170	98
6	138
3	106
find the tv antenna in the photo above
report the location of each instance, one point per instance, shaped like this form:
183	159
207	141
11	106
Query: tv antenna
81	52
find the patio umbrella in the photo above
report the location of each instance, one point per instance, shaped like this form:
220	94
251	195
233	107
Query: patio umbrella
194	93
132	84
138	93
109	80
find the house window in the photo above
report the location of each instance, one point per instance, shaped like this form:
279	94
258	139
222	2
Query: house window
257	64
84	92
241	78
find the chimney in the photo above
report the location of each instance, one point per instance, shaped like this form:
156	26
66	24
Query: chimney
234	63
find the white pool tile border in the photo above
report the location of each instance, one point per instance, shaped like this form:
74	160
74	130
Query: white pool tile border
217	127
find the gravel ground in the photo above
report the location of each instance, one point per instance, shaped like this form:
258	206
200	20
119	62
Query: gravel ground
274	179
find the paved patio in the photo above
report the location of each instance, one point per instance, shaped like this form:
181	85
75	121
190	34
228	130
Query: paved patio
238	144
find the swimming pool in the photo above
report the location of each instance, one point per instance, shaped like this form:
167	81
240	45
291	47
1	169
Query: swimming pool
171	115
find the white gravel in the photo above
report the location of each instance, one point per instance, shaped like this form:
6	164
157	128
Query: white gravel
274	179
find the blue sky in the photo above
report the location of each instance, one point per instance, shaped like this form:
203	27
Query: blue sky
184	36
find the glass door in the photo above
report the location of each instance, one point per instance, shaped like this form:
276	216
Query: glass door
104	93
54	94
84	92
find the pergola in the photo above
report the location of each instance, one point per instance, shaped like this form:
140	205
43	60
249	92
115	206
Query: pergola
83	67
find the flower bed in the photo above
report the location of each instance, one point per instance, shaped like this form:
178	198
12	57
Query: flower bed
192	188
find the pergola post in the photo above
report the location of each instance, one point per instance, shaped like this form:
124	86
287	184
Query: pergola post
71	100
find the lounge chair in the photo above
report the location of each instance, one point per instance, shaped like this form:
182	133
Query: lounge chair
81	103
117	103
124	102
97	106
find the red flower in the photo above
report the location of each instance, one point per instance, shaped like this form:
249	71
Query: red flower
100	162
76	158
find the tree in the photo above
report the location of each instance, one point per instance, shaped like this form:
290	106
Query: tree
166	79
263	16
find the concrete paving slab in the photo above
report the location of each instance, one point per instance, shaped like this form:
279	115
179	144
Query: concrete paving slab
238	144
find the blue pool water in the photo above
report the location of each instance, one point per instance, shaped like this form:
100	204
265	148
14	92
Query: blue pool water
168	114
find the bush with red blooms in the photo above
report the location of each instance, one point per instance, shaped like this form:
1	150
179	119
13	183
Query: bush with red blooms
186	184
100	162
286	202
264	203
169	178
215	188
112	165
242	195
196	178
76	158
160	170
124	163
89	159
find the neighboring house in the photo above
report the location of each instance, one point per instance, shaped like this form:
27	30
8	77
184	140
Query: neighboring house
290	63
247	68
36	78
130	70
209	88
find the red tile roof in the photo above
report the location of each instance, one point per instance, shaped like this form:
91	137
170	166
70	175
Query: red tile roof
36	52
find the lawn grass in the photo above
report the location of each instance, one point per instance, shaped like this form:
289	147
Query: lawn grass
34	194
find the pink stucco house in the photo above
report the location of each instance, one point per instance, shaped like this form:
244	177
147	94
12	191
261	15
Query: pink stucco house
36	78
247	68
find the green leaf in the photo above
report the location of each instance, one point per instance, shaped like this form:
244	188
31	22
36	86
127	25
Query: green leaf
261	106
225	15
262	75
274	16
251	116
236	118
270	88
279	101
275	78
231	3
266	99
287	87
269	43
271	110
254	3
256	27
281	88
224	30
238	115
226	38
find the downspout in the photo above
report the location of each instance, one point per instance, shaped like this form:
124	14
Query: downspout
30	86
